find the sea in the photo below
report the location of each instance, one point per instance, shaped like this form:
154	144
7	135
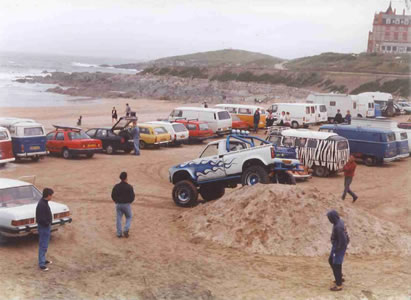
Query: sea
18	65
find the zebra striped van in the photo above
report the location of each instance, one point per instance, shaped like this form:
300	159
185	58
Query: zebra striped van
324	152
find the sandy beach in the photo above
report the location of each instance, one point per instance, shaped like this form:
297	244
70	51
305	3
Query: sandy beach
161	259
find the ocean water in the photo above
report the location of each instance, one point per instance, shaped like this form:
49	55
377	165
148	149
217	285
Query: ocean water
19	65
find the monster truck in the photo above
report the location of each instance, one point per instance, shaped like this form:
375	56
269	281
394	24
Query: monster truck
237	159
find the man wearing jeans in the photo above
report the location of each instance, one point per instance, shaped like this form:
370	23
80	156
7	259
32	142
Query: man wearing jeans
44	218
123	196
349	170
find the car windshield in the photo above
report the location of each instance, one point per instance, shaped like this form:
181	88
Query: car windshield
404	136
179	128
18	196
223	115
391	137
78	135
3	135
159	130
203	126
33	131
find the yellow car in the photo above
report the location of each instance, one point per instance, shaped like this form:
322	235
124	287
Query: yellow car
155	135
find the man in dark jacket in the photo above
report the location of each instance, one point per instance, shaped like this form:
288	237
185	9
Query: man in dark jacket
338	117
256	119
44	219
123	196
339	241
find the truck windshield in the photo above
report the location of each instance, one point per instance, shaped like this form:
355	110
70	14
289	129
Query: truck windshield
33	131
223	115
3	135
18	196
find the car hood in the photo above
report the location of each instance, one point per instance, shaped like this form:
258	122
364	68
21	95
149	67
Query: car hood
29	210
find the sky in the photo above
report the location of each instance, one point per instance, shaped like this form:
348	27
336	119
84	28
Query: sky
150	29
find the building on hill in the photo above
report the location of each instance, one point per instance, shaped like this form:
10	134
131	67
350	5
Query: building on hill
391	33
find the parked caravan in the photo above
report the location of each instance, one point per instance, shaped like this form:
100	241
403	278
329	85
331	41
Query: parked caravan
6	147
178	132
402	138
386	102
219	120
359	106
324	152
301	114
28	138
372	145
245	113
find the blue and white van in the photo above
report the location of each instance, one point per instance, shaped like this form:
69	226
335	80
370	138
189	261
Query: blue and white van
373	145
28	138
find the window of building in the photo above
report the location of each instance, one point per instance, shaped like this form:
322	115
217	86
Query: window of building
395	35
397	21
332	103
383	48
387	35
408	49
406	22
394	48
388	48
387	21
404	36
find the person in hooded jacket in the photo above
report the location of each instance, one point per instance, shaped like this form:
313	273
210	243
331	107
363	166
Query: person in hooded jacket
339	242
44	219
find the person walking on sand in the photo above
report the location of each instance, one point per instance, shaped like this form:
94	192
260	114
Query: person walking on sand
44	219
339	243
256	119
349	170
114	115
128	110
135	133
123	196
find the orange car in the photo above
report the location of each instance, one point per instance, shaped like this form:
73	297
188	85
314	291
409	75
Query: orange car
71	141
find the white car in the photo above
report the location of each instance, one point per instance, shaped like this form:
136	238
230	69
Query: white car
179	133
18	201
405	106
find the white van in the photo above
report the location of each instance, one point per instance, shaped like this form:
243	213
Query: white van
320	113
301	114
219	120
245	113
359	106
179	133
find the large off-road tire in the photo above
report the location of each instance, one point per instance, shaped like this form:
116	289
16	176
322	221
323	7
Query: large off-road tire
370	161
185	194
110	150
253	175
321	171
66	153
212	191
286	178
142	144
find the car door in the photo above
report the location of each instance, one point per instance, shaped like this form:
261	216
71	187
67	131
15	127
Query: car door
59	142
101	135
210	164
51	141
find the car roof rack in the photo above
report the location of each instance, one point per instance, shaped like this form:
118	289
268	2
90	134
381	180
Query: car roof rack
67	127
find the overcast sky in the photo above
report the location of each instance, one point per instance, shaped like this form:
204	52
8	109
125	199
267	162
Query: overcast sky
149	29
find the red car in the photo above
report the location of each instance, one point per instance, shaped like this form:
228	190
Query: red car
71	141
239	124
198	131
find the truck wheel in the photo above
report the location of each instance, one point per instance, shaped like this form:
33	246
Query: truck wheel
286	178
294	124
254	175
66	153
370	161
211	191
109	149
142	144
185	194
320	171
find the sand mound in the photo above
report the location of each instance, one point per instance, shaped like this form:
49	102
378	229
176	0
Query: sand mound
290	220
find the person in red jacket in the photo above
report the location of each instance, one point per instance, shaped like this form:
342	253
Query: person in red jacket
349	170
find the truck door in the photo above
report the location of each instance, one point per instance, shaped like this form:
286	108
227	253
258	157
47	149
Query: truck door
234	156
210	164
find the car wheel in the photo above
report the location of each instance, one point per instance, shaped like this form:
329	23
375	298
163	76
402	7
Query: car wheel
142	144
185	194
369	161
294	124
35	158
254	175
66	153
212	191
321	171
109	149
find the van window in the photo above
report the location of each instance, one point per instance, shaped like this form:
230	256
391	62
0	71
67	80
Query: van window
159	130
177	113
203	126
404	136
231	110
191	127
211	150
60	136
3	135
391	137
223	115
300	142
33	131
274	108
307	110
50	136
288	141
312	109
244	111
370	105
312	143
332	103
323	108
179	128
354	105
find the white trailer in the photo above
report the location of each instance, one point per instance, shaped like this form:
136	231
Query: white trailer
358	105
301	114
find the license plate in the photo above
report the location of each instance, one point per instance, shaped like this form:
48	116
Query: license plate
91	145
34	147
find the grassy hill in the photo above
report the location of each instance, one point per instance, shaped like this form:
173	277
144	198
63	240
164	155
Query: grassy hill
363	62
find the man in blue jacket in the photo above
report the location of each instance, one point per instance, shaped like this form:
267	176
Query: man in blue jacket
44	218
339	241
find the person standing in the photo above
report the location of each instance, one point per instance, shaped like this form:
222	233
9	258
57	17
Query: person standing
339	242
205	104
349	170
123	195
256	119
114	115
287	119
281	119
348	117
135	133
44	218
270	119
338	117
128	110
